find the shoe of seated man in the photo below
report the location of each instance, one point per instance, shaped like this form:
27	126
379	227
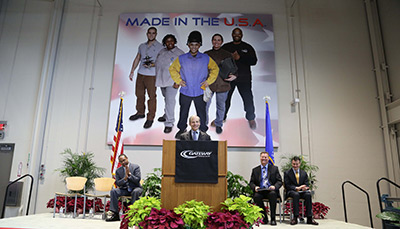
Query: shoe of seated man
264	221
114	217
311	221
293	221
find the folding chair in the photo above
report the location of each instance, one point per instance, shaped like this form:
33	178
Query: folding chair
103	184
279	200
290	201
74	185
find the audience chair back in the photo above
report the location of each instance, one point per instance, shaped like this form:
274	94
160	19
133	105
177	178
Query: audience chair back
104	184
75	183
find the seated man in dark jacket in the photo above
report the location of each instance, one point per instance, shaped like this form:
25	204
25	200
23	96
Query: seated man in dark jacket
296	185
195	134
127	178
265	181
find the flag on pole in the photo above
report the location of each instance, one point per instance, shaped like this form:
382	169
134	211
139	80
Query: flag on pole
269	144
118	147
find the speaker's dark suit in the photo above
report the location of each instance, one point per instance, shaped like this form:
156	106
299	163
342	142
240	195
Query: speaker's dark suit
129	187
274	179
187	136
290	186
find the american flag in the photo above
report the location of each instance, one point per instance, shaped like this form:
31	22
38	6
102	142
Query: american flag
118	147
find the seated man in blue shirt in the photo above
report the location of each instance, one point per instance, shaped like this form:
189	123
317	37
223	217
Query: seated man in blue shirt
265	182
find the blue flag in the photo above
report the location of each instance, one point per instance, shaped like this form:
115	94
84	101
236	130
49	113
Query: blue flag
269	144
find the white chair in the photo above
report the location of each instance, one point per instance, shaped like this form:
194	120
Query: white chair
103	184
74	185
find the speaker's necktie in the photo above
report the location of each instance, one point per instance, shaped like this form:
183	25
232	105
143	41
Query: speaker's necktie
195	137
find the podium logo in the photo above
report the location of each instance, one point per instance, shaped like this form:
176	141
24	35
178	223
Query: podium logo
190	154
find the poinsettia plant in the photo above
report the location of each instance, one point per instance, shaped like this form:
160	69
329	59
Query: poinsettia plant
79	204
120	205
319	209
225	219
124	222
162	218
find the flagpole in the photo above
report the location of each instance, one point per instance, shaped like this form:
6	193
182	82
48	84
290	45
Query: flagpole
118	147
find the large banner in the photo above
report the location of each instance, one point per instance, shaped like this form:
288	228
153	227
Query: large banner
257	31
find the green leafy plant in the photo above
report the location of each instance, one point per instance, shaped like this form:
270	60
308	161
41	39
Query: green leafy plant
152	184
140	209
251	213
193	213
237	186
305	165
80	164
393	216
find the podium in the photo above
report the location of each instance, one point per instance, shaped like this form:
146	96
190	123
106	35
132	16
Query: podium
174	194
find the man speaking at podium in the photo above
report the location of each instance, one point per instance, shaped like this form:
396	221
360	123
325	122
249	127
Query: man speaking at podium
195	134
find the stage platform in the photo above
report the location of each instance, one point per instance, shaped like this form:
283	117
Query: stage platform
46	221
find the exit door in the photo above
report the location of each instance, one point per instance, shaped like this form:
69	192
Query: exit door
6	157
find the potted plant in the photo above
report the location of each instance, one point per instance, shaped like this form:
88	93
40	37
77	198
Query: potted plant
70	204
80	164
319	210
237	186
152	184
193	213
225	219
139	210
162	219
391	218
251	213
305	166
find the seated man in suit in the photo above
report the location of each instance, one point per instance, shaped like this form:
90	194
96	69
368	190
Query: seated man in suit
297	185
127	178
265	182
195	134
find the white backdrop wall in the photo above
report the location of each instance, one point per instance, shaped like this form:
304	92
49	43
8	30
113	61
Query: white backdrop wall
322	49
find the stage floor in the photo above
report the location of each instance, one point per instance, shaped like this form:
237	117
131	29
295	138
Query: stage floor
46	220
